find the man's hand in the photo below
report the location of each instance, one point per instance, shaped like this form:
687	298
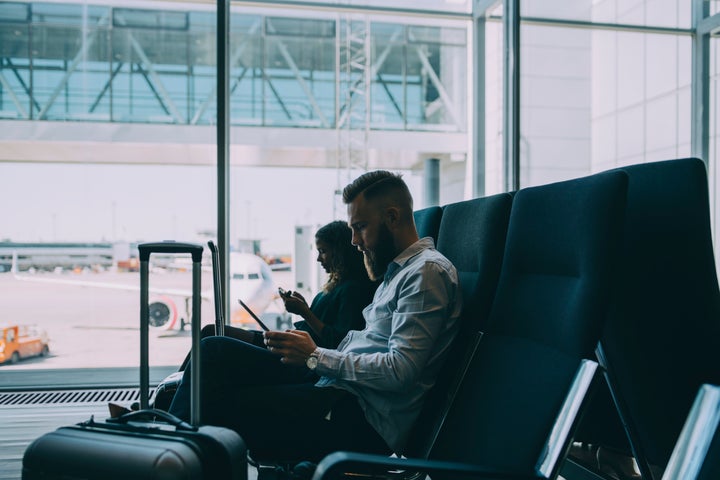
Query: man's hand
294	346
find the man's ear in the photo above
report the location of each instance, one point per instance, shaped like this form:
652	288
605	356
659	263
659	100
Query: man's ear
392	216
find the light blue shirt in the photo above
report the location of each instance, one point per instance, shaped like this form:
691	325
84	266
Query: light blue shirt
394	361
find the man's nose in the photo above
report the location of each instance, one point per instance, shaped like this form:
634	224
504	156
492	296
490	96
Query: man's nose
356	240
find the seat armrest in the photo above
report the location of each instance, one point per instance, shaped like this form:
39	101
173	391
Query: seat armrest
701	426
362	463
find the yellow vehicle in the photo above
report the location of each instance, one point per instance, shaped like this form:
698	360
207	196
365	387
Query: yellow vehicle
22	341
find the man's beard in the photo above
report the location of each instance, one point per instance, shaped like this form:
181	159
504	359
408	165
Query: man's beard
377	260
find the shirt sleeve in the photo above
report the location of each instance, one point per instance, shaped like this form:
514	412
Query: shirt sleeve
424	303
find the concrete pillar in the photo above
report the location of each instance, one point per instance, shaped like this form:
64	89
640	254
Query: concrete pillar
432	182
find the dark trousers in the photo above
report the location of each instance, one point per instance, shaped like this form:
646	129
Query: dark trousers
276	408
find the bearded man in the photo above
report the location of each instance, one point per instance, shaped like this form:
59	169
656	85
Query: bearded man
296	400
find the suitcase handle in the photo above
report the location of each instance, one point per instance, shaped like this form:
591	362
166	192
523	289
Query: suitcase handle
170	246
152	414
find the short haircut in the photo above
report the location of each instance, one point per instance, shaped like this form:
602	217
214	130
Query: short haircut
380	183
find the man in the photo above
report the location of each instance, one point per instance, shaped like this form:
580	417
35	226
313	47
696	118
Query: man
296	400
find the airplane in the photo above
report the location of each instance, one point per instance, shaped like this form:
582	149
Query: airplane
250	280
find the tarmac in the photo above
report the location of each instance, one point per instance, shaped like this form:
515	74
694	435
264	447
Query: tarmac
95	327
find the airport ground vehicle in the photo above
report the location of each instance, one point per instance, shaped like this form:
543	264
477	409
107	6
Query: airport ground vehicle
22	341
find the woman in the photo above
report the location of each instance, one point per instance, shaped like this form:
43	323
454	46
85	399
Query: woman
337	308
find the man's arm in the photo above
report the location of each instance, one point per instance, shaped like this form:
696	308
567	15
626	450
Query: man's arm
425	302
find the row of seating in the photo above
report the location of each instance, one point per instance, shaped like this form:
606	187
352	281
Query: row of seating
615	268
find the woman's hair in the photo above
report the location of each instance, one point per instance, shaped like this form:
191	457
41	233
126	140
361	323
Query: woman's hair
347	261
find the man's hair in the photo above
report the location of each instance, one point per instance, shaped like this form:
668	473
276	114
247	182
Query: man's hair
380	183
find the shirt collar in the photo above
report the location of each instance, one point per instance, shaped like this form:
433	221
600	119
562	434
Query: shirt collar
404	256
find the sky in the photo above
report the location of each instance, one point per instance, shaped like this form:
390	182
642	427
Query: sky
92	203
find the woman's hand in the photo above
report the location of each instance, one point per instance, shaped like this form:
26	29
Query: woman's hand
293	346
295	303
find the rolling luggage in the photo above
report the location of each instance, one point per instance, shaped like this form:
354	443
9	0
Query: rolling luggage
144	444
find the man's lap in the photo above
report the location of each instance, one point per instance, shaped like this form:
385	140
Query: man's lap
275	407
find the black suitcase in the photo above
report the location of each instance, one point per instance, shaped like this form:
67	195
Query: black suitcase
145	444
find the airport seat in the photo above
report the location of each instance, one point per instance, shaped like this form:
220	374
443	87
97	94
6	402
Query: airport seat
696	455
427	221
472	236
516	407
663	330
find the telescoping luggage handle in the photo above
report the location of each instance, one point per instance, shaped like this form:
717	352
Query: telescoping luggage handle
196	250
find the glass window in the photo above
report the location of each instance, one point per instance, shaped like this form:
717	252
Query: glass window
588	104
714	134
154	19
494	78
420	75
14	12
298	71
651	13
75	228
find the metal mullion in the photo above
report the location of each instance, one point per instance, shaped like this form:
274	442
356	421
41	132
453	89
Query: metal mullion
479	105
511	94
223	149
700	89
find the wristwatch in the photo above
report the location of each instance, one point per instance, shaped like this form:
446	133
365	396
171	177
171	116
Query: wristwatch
312	360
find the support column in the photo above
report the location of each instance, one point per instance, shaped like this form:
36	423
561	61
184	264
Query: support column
432	182
223	149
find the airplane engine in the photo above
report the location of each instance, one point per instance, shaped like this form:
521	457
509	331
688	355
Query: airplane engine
163	313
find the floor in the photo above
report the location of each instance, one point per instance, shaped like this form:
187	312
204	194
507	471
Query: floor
20	425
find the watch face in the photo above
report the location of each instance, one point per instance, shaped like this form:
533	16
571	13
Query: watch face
311	362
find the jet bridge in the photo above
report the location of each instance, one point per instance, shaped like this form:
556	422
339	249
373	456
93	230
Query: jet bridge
317	88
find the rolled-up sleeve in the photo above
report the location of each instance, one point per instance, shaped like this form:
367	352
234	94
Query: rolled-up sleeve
406	326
